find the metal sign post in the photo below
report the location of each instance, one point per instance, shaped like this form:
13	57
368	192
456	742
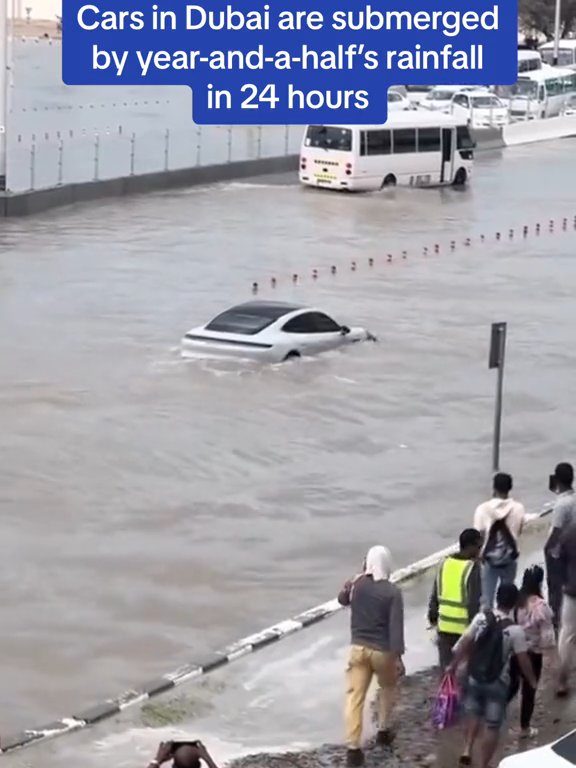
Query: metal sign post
3	89
497	353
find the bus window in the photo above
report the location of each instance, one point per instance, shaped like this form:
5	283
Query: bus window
376	143
428	139
463	138
329	137
404	140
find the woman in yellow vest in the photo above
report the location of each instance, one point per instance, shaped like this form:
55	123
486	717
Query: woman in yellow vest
456	594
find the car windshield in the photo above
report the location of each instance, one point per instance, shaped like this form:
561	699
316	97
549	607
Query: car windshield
440	95
566	748
525	88
485	101
329	137
248	319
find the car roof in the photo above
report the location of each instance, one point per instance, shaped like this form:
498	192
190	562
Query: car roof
270	309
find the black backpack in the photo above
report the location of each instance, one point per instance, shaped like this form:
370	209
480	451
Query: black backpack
487	659
501	548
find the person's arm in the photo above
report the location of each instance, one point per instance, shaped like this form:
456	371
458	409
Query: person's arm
557	525
527	669
474	591
433	607
345	594
205	756
163	754
461	652
397	624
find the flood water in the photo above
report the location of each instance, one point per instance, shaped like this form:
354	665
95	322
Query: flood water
155	508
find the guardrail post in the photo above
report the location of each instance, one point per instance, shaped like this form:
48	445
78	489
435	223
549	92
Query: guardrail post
229	143
33	162
167	149
259	143
286	139
96	156
60	162
132	153
198	144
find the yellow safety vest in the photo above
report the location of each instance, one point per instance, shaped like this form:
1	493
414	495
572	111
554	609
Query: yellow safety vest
452	583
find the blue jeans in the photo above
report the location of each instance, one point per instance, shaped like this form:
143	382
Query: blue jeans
487	702
492	577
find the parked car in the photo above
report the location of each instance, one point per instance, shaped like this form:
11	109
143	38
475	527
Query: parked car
560	754
440	97
398	101
269	331
481	109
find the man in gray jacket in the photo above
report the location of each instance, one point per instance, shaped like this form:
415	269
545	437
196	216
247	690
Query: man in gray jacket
377	647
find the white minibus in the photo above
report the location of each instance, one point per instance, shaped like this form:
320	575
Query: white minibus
411	148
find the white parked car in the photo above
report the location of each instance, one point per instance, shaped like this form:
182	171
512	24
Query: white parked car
398	101
269	331
560	754
440	97
481	109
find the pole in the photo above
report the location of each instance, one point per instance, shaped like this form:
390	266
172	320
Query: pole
557	15
497	354
3	90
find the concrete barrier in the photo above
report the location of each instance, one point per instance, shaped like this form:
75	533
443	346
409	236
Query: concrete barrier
142	693
37	201
531	131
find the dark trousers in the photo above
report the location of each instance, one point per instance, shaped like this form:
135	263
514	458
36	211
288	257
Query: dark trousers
528	693
554	578
446	643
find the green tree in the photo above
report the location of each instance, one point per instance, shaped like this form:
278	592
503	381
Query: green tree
538	15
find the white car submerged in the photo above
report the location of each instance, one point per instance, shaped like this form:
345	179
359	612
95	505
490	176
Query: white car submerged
271	332
560	754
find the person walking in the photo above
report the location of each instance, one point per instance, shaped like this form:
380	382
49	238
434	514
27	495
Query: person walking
488	645
563	515
535	617
456	593
567	635
377	647
500	520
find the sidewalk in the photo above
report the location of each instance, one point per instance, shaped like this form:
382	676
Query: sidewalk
417	745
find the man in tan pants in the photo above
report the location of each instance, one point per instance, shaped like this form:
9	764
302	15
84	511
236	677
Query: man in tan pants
377	629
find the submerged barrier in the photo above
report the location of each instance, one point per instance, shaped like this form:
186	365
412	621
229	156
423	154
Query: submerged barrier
84	718
555	226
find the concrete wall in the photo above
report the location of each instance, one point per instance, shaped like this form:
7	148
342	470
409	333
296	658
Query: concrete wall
37	201
539	130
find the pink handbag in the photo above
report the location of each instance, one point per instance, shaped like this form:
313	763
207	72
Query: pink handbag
446	705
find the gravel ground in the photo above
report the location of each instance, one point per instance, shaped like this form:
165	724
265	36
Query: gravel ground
418	745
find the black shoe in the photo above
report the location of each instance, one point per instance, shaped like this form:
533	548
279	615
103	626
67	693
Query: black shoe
354	758
385	738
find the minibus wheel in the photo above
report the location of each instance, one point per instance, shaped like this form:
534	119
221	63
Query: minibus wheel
389	181
461	177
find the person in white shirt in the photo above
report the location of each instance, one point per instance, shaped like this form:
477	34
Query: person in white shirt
500	521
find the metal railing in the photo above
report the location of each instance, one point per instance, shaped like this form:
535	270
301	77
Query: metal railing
42	160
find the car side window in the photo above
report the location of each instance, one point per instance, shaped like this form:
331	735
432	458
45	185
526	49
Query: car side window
311	322
461	100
